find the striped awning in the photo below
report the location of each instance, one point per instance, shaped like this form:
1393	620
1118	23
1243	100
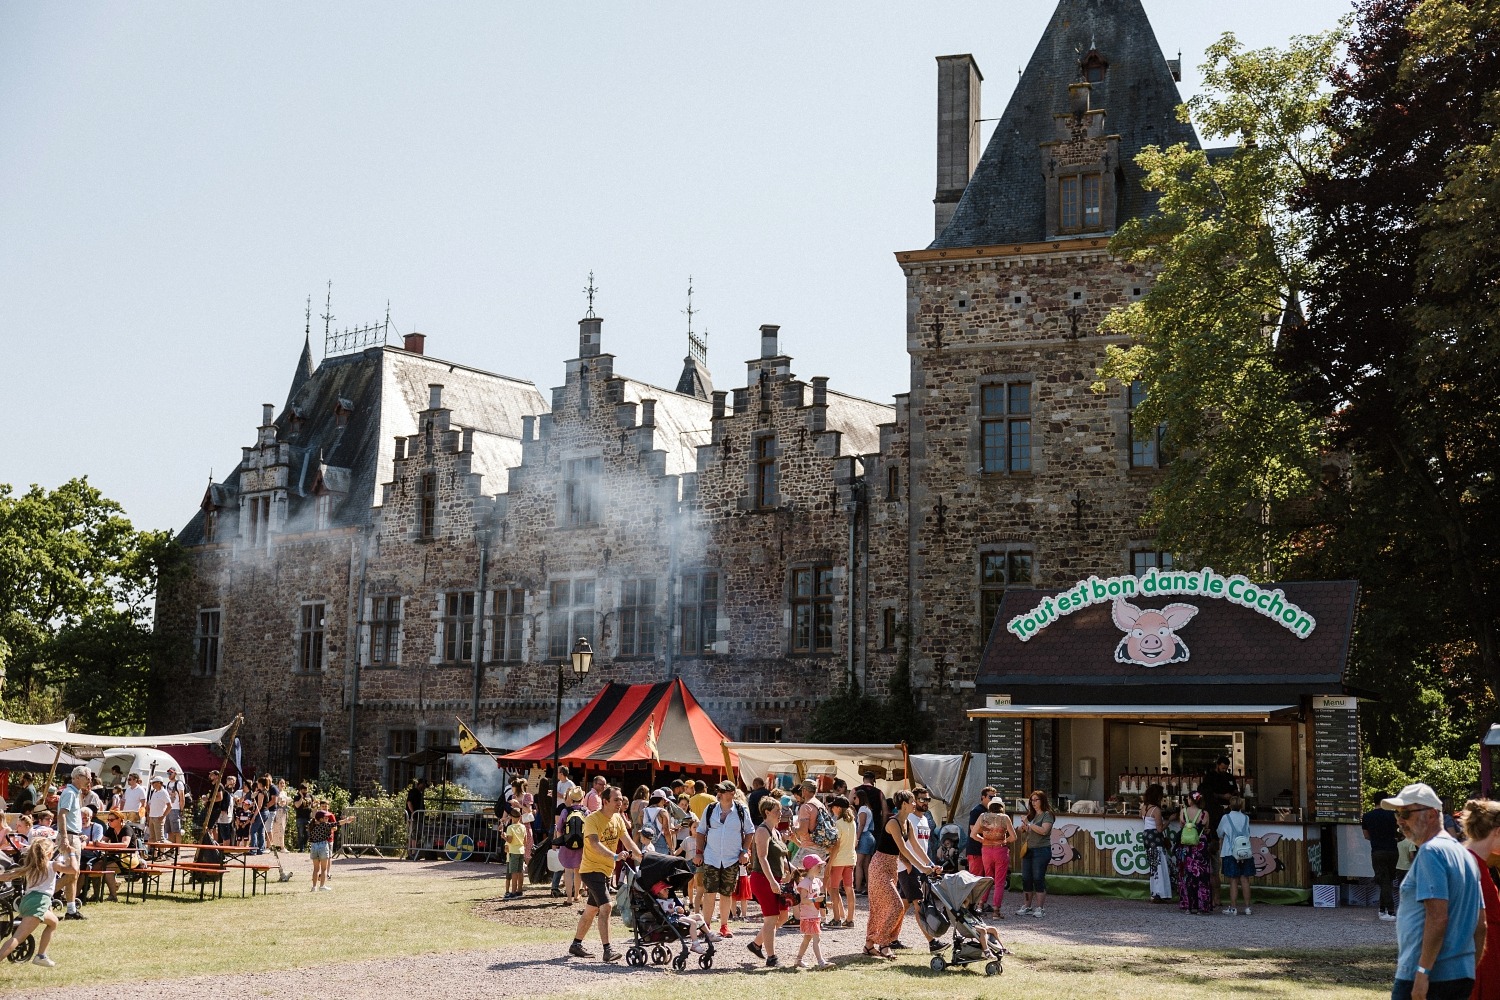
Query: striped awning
630	726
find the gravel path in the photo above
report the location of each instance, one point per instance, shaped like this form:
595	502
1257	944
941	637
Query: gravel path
538	971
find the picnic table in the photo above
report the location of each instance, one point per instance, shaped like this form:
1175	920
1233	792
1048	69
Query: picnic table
166	858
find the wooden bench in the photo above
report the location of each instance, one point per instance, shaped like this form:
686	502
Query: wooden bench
207	876
147	877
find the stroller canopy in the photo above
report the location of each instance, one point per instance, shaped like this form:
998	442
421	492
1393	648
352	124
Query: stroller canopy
963	890
667	868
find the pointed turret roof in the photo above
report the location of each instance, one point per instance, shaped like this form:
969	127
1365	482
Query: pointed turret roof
1005	201
303	372
695	379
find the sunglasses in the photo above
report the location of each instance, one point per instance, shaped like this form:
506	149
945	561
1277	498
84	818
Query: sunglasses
1409	813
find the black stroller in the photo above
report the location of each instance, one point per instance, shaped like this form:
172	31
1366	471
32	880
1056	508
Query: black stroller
649	920
11	891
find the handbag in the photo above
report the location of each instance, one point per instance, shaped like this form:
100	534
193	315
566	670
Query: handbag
554	861
1025	846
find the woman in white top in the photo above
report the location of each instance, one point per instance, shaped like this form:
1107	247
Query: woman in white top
1154	826
1237	871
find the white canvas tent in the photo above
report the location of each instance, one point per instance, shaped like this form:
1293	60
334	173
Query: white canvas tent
946	776
15	734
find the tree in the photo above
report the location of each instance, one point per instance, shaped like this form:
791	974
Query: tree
1400	341
854	716
76	604
1228	251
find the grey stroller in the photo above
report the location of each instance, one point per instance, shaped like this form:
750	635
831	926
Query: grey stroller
953	902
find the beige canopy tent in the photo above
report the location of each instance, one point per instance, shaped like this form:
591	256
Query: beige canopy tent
944	775
15	734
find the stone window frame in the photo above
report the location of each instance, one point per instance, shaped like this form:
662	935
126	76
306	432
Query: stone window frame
1145	555
427	504
1145	453
560	641
889	627
208	643
1079	185
817	602
391	630
312	637
639	631
698	618
456	610
1005	418
435	737
578	496
258	520
761	732
893	482
506	624
765	471
398	745
988	592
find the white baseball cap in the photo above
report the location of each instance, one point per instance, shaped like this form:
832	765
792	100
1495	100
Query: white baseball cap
1417	794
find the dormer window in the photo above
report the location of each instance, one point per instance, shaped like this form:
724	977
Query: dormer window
1093	68
1079	203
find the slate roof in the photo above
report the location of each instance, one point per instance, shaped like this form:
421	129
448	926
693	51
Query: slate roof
1005	201
382	389
1235	654
859	420
682	423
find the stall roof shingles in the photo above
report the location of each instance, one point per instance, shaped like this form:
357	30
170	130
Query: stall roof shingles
1228	645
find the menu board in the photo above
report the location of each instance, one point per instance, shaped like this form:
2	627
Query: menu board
1336	778
1004	761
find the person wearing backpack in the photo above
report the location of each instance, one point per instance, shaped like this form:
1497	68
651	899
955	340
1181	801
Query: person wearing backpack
568	832
1236	856
723	840
816	829
1195	892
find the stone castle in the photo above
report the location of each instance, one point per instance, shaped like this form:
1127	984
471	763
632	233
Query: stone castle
409	541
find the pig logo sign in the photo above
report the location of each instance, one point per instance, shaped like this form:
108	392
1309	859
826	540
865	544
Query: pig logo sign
1151	638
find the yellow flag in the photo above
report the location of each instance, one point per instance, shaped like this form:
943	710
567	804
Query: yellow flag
467	741
651	740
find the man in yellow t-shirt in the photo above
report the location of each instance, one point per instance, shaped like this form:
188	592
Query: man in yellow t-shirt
701	799
604	839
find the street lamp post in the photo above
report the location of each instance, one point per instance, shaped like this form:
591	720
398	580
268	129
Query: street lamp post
582	658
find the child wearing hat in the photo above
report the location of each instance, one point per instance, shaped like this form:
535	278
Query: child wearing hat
809	889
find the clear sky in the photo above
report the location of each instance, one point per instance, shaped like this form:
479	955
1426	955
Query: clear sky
176	179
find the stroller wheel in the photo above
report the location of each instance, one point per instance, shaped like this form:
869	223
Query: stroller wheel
635	957
706	961
938	964
23	951
679	963
993	968
659	955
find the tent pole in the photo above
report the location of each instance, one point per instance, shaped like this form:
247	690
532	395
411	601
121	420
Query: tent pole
906	759
52	773
963	772
729	774
213	792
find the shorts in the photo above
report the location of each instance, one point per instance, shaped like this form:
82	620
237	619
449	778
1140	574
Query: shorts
742	889
909	886
174	822
320	850
1234	868
595	887
515	864
36	905
720	881
810	926
70	849
840	876
767	895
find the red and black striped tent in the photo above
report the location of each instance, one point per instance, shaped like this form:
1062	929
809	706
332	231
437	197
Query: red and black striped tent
633	726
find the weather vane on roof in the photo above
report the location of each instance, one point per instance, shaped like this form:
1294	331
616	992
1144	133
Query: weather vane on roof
697	344
328	310
591	291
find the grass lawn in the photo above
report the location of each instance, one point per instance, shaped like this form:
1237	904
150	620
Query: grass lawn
383	909
371	913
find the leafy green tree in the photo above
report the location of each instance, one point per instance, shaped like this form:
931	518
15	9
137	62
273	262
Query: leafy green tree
1228	252
76	604
854	716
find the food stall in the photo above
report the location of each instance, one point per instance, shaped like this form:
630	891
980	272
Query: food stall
1096	692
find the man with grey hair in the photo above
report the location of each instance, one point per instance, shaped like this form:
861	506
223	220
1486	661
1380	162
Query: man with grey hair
70	836
1439	921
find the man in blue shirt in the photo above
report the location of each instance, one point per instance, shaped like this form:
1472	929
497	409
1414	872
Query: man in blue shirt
70	835
1379	827
1439	924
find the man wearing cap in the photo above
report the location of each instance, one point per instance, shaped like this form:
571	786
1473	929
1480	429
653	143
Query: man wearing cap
70	836
1439	921
176	791
809	810
158	804
723	839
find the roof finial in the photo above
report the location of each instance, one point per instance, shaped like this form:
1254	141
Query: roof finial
387	316
690	310
307	320
328	310
590	291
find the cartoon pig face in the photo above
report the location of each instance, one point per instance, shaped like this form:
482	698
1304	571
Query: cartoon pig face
1062	851
1265	861
1151	636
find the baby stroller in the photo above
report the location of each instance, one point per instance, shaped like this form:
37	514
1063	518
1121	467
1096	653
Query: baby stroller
947	852
11	890
650	920
953	901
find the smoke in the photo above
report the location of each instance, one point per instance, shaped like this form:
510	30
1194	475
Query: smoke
478	773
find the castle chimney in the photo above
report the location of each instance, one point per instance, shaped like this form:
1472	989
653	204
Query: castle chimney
528	424
769	347
719	398
589	335
1078	97
820	390
267	411
958	114
414	342
648	413
434	396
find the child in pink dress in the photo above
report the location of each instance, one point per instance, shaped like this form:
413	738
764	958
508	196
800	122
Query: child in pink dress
809	889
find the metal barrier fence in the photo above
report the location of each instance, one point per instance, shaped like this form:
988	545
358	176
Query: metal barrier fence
378	833
456	835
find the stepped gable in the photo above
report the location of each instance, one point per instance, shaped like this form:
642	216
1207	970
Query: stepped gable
1005	201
